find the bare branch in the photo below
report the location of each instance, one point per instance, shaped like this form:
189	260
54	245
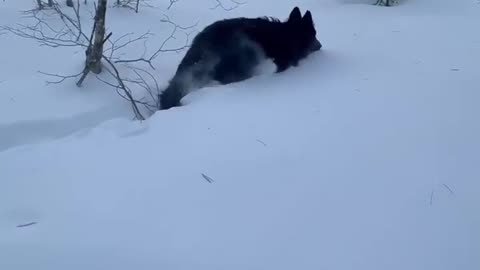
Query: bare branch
172	2
220	4
126	91
61	78
119	43
162	48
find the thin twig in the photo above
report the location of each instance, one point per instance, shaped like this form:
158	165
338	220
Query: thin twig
264	144
172	2
207	178
137	112
61	78
162	49
220	4
26	224
449	189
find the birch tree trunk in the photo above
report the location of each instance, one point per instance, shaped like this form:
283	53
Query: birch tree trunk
383	3
95	52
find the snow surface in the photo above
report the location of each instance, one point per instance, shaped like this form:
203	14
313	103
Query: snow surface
366	156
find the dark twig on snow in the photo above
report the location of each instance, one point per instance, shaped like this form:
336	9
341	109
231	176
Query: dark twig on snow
207	178
26	224
449	189
262	142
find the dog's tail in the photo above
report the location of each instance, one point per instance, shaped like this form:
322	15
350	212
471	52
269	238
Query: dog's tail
183	83
193	72
171	96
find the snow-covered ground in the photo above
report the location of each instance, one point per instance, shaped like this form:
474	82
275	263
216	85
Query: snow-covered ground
366	156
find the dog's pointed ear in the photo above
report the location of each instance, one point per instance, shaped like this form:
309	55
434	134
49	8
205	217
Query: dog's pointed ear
307	18
295	15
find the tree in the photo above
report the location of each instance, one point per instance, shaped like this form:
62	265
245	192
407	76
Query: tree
94	51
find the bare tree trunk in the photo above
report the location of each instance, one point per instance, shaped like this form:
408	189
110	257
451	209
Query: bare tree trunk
40	5
70	3
50	3
383	3
95	54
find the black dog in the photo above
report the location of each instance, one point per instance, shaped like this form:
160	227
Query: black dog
228	51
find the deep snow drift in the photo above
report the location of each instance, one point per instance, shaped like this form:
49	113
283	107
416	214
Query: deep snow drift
366	156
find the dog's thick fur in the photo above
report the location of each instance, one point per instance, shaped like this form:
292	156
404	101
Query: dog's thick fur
228	51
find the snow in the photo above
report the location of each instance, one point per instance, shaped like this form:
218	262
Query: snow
366	156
